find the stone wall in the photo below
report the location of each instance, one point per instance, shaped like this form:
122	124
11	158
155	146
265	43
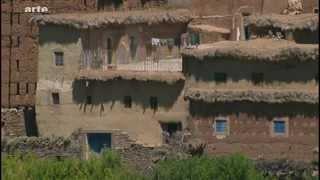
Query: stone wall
12	122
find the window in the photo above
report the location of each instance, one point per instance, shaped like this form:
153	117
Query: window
220	77
257	78
18	41
58	56
18	89
195	39
89	100
127	101
11	18
27	88
109	47
316	10
154	103
18	65
280	127
55	98
221	126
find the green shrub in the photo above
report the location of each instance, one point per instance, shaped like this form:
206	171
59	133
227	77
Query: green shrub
207	168
29	167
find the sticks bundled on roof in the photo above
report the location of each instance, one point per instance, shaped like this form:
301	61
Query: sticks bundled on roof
97	20
165	77
284	22
255	50
267	96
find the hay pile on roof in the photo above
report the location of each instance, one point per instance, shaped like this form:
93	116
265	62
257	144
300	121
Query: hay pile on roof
256	50
101	19
262	95
284	22
165	77
209	29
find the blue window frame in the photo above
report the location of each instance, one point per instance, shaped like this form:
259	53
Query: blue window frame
279	127
221	126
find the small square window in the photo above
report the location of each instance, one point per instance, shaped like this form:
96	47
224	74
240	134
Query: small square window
316	10
154	103
279	127
58	56
221	126
55	98
220	77
127	101
257	78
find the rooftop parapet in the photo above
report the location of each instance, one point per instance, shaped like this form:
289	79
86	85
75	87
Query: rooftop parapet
284	22
265	50
101	19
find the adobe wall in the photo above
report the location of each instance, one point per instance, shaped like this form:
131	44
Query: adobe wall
239	71
107	111
250	129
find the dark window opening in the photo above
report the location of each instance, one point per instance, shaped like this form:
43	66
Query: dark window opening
18	41
107	4
18	18
55	98
27	88
35	87
246	14
133	46
316	10
127	101
257	78
85	2
109	47
154	103
171	128
11	18
58	56
247	32
18	89
99	141
89	100
18	65
220	77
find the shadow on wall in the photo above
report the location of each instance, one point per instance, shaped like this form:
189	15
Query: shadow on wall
237	70
257	110
104	94
58	34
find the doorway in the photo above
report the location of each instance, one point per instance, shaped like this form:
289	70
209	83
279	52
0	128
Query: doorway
98	141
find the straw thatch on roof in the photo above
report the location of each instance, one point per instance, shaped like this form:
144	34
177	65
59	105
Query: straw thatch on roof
101	19
209	29
165	77
284	22
257	50
262	95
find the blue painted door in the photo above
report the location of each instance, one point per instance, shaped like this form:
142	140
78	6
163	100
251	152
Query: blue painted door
99	141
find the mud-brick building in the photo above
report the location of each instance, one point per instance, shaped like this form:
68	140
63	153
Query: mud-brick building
303	28
257	97
106	71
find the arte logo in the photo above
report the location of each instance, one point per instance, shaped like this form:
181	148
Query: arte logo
36	9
